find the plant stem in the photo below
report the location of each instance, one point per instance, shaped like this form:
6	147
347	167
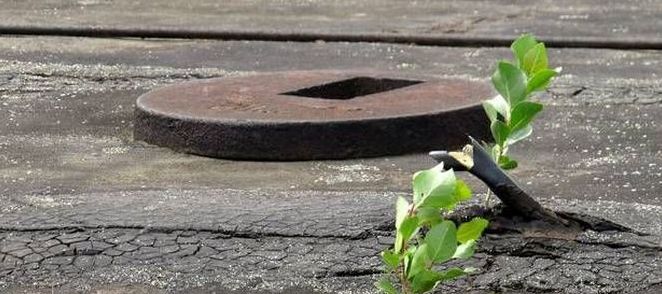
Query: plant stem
404	283
406	288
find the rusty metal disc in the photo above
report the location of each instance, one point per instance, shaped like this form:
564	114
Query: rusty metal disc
302	115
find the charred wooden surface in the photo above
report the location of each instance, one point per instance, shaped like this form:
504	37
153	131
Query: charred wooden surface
85	208
512	195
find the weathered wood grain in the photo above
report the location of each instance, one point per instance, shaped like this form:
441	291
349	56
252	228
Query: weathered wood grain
67	109
83	206
592	23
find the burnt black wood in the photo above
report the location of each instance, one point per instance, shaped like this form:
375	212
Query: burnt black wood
514	197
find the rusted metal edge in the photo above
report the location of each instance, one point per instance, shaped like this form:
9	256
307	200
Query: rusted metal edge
445	41
312	140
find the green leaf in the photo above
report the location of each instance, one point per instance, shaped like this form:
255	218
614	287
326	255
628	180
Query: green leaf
519	135
521	46
465	250
385	285
420	184
425	281
471	230
540	80
401	211
399	242
523	114
490	110
535	60
437	188
408	256
500	132
507	163
462	191
510	82
451	274
428	216
391	259
401	216
441	241
406	230
496	105
420	261
408	227
428	279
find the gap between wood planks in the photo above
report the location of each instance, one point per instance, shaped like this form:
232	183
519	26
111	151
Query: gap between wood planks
426	40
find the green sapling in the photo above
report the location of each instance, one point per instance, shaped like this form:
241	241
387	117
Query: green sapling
415	264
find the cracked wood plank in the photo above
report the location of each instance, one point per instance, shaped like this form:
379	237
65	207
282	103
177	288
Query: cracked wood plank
566	22
70	170
506	261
